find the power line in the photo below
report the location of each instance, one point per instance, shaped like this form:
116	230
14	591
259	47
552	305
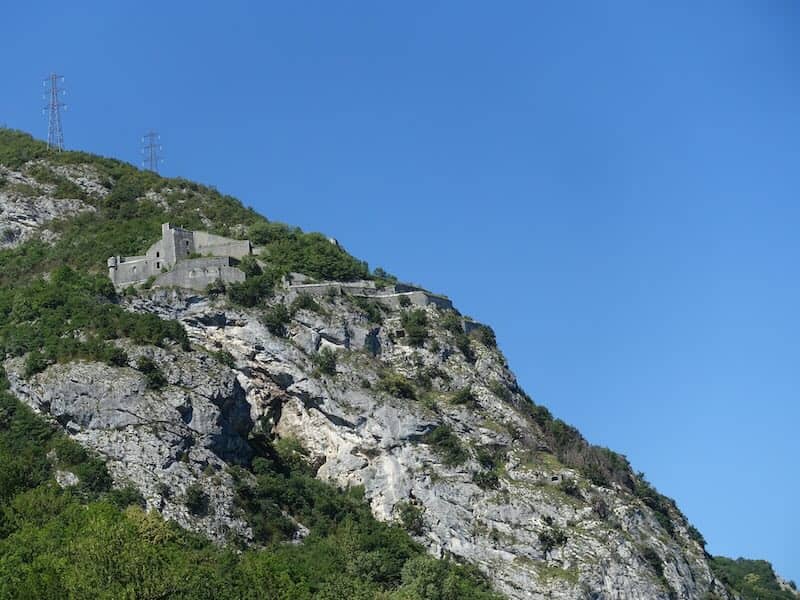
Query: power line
151	149
53	95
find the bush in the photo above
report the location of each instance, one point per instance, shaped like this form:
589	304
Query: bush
225	358
155	378
411	517
447	444
371	309
570	488
463	344
196	500
487	480
276	318
552	538
464	396
127	496
251	291
485	335
415	324
325	361
305	302
404	301
396	385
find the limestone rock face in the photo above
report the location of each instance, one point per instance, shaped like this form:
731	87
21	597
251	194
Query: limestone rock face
162	441
360	435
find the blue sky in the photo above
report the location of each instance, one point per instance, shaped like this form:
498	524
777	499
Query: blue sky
612	186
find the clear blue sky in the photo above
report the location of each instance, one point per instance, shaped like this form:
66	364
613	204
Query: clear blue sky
613	188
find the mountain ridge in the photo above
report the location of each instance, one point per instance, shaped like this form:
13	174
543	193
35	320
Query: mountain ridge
448	376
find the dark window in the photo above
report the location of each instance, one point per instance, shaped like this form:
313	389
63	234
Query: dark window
158	254
158	265
187	243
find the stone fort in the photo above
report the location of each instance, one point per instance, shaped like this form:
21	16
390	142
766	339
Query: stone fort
173	260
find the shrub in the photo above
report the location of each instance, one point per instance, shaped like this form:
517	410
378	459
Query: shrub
371	308
451	321
411	517
415	324
116	356
447	444
485	335
552	538
224	357
127	496
464	396
276	318
404	301
155	378
463	344
487	480
325	361
396	385
196	500
251	291
305	302
570	488
250	266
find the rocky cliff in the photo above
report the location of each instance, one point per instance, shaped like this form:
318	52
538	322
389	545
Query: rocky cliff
413	404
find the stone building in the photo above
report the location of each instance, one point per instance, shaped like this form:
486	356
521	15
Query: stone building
170	260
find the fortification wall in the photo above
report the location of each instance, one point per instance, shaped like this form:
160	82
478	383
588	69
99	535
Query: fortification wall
198	273
367	289
208	243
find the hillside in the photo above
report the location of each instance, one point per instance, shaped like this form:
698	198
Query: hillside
351	445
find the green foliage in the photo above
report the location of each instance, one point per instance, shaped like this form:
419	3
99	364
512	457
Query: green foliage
463	344
252	291
751	579
484	335
325	361
410	515
291	250
570	488
72	316
196	500
371	308
552	538
127	496
447	444
224	357
250	266
452	322
415	324
404	301
305	302
396	385
464	396
276	318
155	378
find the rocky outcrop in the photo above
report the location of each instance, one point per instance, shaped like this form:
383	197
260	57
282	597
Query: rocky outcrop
160	440
532	538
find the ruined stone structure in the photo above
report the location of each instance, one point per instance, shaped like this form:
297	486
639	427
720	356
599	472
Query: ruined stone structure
168	260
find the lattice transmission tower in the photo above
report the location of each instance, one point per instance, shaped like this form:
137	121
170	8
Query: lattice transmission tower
151	149
53	95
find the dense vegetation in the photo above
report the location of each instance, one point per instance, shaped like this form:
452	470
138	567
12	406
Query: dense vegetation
751	579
